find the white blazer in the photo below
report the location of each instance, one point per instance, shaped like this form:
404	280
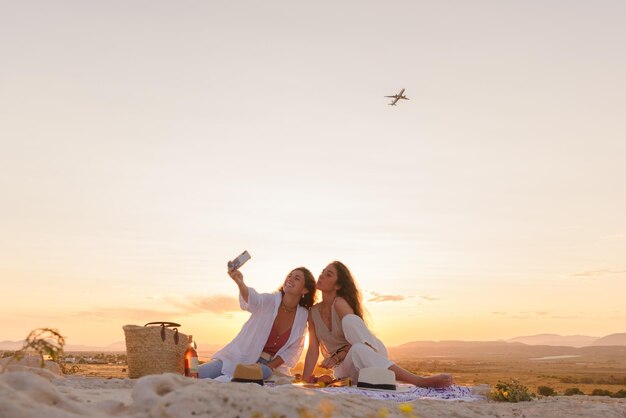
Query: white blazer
248	345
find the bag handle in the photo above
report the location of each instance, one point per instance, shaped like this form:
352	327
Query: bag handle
164	325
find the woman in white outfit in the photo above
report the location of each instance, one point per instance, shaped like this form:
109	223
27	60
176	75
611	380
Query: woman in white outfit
273	336
336	326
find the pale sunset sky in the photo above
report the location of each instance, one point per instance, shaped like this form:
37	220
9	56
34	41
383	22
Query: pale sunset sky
146	143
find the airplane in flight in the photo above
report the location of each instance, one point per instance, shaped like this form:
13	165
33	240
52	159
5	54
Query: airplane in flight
397	97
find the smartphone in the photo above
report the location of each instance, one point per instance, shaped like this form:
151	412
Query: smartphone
239	261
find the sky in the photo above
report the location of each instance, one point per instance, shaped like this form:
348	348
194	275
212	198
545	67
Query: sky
144	144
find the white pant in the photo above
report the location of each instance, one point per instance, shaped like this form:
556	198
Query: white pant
362	352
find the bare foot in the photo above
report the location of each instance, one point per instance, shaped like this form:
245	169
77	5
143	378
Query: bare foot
436	381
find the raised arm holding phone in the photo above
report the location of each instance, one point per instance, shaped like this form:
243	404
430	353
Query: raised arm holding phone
238	279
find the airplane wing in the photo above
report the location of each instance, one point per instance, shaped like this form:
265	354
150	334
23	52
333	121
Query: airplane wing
394	101
401	92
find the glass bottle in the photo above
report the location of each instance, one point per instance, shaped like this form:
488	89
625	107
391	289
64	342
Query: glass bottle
191	360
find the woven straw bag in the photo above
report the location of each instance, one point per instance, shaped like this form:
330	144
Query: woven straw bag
155	349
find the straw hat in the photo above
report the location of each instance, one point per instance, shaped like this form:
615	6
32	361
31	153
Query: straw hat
248	373
377	378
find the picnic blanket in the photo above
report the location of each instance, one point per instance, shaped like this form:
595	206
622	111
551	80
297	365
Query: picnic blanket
452	393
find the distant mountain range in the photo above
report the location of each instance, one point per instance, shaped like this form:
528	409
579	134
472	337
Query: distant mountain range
119	346
535	346
612	339
571	340
545	341
555	339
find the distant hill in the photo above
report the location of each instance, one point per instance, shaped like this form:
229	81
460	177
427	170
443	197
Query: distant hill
474	349
533	346
204	349
11	345
556	339
116	346
612	339
119	346
497	350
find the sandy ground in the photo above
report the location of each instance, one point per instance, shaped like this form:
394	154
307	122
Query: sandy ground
32	392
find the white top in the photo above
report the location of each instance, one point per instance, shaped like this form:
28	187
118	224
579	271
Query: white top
248	345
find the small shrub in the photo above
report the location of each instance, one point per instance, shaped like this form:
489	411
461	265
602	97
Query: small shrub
573	391
601	392
545	391
44	342
619	394
512	391
67	369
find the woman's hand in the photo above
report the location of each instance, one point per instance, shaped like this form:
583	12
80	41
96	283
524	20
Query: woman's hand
237	276
329	362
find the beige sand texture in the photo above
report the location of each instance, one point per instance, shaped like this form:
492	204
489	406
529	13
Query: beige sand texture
26	394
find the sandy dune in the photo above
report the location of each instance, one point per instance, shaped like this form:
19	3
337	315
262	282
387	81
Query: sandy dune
29	392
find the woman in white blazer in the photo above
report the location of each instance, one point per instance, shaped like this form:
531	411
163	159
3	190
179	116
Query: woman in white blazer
273	336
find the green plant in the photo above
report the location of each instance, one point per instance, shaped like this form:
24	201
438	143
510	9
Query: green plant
619	394
573	391
512	391
545	391
44	342
5	354
67	369
601	392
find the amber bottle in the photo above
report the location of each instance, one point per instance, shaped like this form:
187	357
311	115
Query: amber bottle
191	360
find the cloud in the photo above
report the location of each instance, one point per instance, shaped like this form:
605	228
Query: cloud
214	304
139	314
537	313
523	314
598	272
222	305
377	297
616	236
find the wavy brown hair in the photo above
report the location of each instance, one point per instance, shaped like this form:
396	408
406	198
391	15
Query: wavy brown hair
348	288
307	300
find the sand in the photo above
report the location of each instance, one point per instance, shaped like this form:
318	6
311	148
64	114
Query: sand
32	392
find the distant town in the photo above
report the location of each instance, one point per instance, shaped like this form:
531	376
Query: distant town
82	357
99	358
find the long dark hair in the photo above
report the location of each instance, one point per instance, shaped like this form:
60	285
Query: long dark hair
348	288
308	299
